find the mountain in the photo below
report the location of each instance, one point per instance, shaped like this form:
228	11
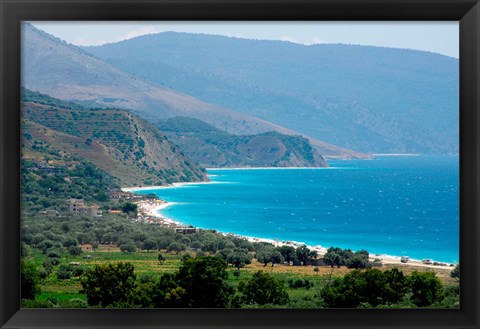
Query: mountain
54	67
211	147
371	99
116	141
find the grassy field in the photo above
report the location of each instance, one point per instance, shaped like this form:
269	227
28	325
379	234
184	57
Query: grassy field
146	264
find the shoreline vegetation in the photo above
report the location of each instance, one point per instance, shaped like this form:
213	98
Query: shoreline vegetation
71	246
88	243
152	208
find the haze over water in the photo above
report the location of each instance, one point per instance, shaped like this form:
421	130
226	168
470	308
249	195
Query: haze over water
390	205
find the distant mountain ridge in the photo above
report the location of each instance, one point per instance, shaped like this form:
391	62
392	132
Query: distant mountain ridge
53	67
211	147
372	99
120	143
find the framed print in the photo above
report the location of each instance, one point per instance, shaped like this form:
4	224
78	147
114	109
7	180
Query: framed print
239	164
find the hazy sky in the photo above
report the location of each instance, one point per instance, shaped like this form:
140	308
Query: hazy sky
438	37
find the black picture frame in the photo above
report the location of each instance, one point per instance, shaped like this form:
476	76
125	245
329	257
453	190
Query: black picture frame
12	12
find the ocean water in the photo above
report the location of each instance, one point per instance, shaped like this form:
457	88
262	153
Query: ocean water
390	205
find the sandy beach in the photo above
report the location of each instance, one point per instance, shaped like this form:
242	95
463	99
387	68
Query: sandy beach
149	212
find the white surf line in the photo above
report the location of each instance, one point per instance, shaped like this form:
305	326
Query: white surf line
396	154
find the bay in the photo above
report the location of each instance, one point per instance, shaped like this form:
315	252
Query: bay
395	205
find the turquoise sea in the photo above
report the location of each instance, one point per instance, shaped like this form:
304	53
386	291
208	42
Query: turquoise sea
394	205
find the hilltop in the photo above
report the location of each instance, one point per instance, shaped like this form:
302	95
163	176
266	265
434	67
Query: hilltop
127	147
211	147
54	67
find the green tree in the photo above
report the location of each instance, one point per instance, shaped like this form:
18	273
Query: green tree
397	285
74	250
176	247
371	287
149	244
29	280
332	258
276	257
54	253
109	284
64	272
358	261
204	282
426	288
160	294
305	255
346	292
70	242
288	253
45	245
130	208
128	246
345	257
167	293
266	253
239	258
86	237
455	273
263	289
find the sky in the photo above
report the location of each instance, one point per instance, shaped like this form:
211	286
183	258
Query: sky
437	37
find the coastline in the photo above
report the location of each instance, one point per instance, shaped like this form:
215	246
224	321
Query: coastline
150	212
396	154
282	168
133	189
268	168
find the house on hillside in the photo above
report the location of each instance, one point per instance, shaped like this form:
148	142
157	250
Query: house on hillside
78	207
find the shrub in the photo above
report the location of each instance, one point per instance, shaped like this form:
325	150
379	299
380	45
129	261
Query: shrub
54	253
426	288
300	283
128	246
77	270
29	280
108	284
45	245
345	257
161	258
74	250
186	256
176	247
43	273
70	242
263	289
455	273
64	273
203	282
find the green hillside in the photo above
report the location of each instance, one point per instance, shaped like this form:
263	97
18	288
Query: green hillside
212	147
116	141
54	67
